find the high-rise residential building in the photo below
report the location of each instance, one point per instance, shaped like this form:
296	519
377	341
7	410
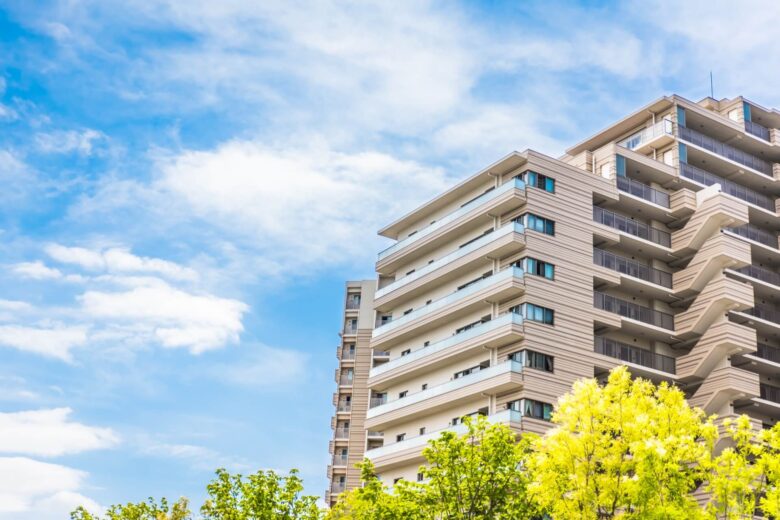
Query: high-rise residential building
652	244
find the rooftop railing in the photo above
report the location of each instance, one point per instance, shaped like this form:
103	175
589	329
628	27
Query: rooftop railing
756	234
463	210
635	355
632	310
631	268
632	227
643	191
725	150
735	190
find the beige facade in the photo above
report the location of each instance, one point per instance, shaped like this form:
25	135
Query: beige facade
652	244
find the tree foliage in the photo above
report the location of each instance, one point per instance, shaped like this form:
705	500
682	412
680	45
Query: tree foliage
149	510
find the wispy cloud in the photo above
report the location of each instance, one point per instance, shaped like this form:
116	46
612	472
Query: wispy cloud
53	342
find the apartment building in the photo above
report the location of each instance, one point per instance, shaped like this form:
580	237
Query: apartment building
652	244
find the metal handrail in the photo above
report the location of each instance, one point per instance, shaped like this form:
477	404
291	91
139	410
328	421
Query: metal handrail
732	188
632	310
757	234
643	191
631	268
768	352
765	312
633	354
757	130
770	393
632	227
725	150
760	273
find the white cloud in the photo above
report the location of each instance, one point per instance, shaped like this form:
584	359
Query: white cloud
173	317
53	342
66	141
264	367
50	432
198	457
14	305
36	270
118	260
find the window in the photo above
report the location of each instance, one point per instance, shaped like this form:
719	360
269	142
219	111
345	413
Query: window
486	232
425	386
403	394
748	116
420	477
531	359
531	408
407	311
680	116
472	325
536	267
471	370
683	153
397	480
422	430
400	437
537	223
426	344
456	421
475	280
532	312
406	352
620	166
537	180
410	272
478	196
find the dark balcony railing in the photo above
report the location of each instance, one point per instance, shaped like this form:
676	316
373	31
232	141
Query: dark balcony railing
725	150
768	352
770	393
760	273
732	188
632	227
757	234
631	268
757	130
636	355
633	311
643	191
353	304
765	312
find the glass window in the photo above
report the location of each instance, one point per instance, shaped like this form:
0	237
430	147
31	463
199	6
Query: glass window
747	114
537	180
533	312
537	223
532	408
532	359
681	117
620	165
537	267
683	153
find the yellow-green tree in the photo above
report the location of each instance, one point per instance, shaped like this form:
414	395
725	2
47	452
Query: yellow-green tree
626	449
149	510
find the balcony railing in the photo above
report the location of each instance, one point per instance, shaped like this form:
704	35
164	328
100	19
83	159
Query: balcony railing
377	401
765	312
768	352
463	210
635	355
344	407
663	127
375	435
340	460
444	344
350	330
514	227
632	268
770	393
338	488
643	191
757	130
506	274
756	234
347	354
760	273
632	310
725	150
352	304
632	227
443	388
342	433
345	380
735	190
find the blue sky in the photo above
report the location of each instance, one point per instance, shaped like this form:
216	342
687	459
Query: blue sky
186	186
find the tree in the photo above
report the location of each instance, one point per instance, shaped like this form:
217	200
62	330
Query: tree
261	496
148	510
626	449
478	475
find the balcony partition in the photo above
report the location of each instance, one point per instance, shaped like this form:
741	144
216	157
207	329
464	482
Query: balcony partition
631	268
735	190
632	227
643	191
725	150
635	355
632	310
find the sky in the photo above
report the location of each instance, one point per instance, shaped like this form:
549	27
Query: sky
186	185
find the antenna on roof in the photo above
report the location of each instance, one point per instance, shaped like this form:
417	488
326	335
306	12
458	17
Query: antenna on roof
712	88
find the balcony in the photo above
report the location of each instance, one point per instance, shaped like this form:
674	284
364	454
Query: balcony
340	460
341	433
452	217
756	234
735	190
349	330
353	305
497	378
757	130
657	135
770	393
760	273
346	354
633	311
765	312
344	407
496	332
345	380
631	268
483	241
643	191
337	488
768	352
632	227
635	355
726	151
501	285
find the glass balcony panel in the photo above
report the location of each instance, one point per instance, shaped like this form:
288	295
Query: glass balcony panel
768	352
463	210
735	190
663	127
635	355
765	312
643	191
633	311
632	268
756	234
725	150
757	130
632	227
760	273
770	393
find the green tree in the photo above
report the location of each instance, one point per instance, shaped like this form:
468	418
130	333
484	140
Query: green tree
264	495
149	510
478	475
626	449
